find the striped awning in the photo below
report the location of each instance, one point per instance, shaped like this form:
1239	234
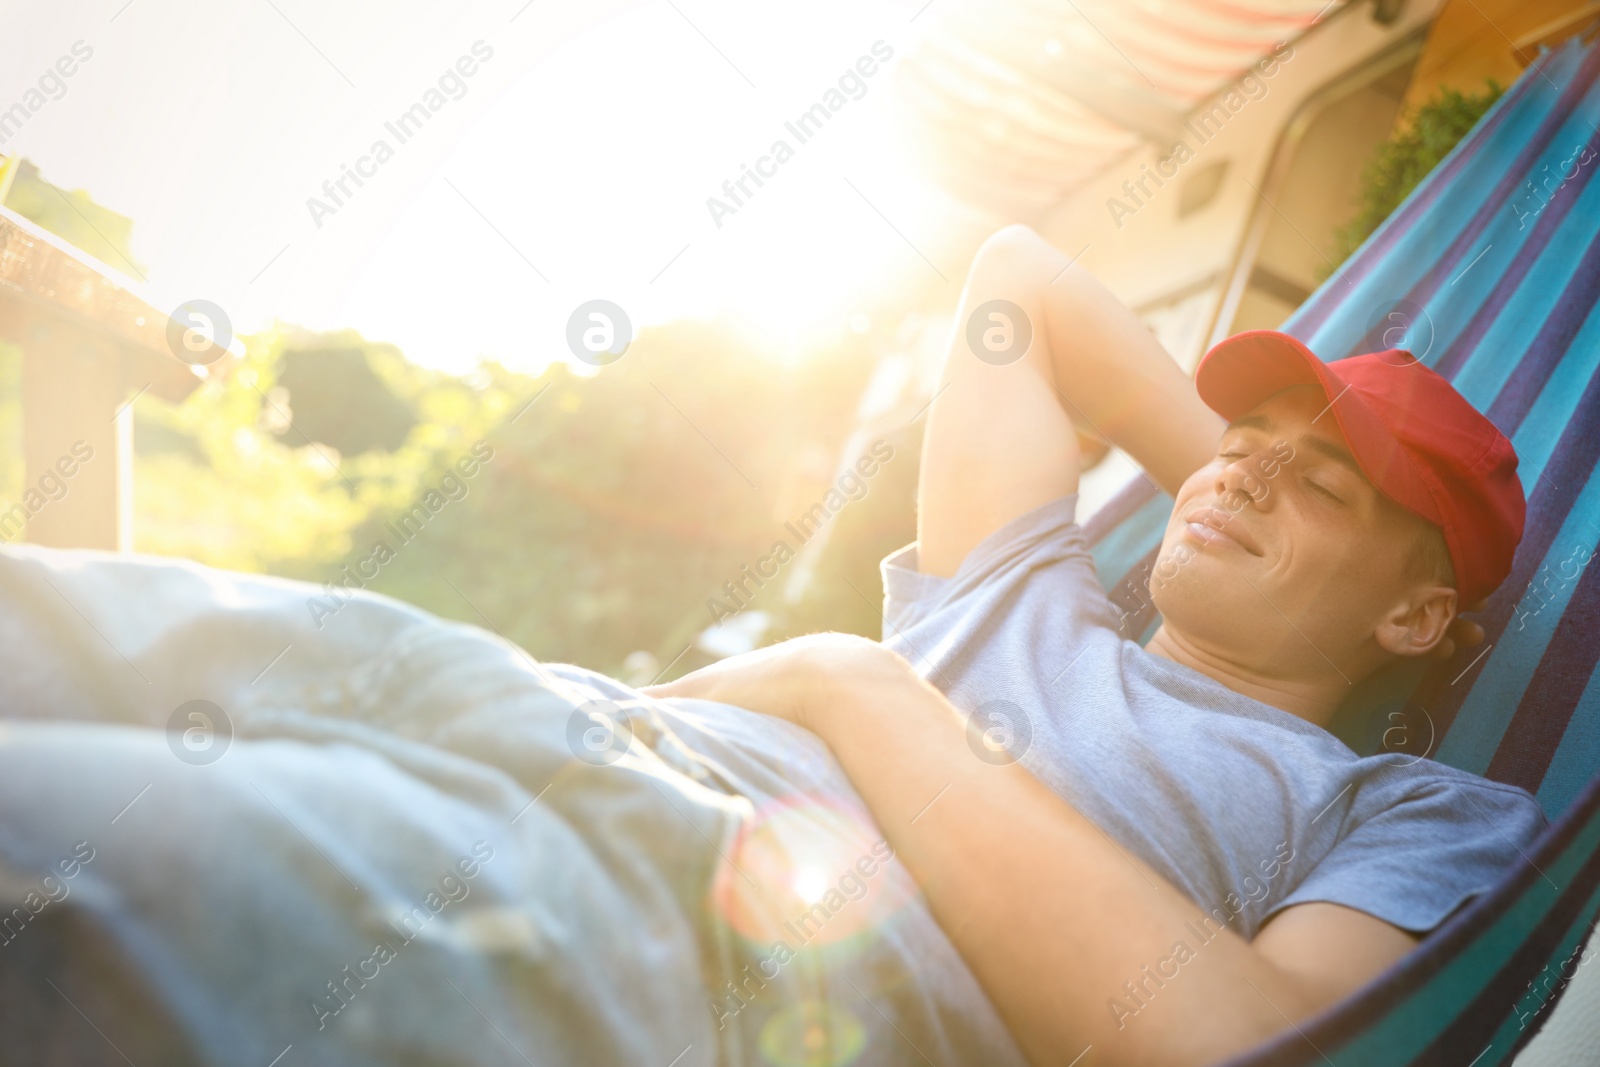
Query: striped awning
1016	103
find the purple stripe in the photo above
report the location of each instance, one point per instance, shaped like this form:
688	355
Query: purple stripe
1467	342
1546	707
1312	316
1553	495
1390	991
1550	344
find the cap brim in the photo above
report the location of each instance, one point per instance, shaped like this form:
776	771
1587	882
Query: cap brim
1247	368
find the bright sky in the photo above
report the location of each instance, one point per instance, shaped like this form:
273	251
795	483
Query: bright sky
576	165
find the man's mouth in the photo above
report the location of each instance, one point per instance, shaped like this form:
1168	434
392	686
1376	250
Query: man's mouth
1211	525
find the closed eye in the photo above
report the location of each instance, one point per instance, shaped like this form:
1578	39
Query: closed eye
1324	491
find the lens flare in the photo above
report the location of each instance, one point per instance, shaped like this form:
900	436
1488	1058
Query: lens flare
809	872
810	884
813	1034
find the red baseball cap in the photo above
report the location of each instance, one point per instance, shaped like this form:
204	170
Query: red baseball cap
1417	439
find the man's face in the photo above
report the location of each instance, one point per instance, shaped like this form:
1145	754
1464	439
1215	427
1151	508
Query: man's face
1279	552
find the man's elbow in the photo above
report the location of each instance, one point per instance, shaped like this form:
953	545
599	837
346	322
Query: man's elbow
1014	255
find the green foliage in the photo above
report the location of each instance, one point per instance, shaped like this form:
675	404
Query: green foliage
338	399
620	502
612	507
1412	150
214	482
75	218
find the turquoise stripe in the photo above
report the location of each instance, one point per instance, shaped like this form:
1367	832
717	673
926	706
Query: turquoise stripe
1578	757
1501	680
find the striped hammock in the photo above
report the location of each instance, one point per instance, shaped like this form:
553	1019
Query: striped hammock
1490	270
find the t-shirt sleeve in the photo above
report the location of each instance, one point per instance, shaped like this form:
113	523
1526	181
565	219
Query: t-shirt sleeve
1048	537
1415	861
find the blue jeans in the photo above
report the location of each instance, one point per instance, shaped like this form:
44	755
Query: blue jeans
234	828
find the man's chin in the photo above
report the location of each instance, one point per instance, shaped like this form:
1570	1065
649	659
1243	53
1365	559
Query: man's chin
1204	582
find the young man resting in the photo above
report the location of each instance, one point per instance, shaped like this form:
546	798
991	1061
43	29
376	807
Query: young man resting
231	835
1183	861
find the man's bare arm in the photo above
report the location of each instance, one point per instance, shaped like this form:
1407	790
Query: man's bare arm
1049	913
1002	438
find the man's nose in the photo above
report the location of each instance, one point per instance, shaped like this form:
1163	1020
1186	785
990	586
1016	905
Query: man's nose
1242	483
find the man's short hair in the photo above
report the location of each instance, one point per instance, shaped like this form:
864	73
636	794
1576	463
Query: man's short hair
1428	558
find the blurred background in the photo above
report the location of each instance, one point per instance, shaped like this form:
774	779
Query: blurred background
300	278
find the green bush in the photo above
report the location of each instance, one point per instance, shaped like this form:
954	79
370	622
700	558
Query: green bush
1412	150
221	479
603	518
617	504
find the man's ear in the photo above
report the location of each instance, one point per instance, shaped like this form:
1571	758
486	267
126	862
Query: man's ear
1418	623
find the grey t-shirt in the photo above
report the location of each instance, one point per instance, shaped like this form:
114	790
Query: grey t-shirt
1244	807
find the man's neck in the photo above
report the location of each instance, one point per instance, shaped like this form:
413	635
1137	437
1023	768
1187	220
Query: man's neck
1313	701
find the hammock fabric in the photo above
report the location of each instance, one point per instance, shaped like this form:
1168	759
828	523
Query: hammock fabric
1489	273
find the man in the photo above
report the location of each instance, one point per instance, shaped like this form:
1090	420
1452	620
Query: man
230	834
1186	861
